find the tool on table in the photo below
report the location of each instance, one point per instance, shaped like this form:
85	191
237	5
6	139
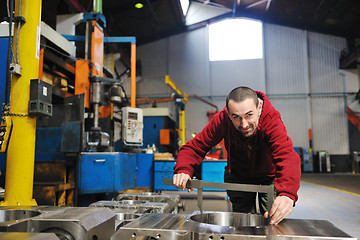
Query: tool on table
199	185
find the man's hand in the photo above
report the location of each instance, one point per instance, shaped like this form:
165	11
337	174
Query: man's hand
281	208
180	180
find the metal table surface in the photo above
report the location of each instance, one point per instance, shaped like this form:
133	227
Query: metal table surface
171	226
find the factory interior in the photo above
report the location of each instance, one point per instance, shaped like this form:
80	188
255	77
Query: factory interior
99	96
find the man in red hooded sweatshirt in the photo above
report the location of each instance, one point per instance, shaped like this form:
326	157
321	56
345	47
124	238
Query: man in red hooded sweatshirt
259	152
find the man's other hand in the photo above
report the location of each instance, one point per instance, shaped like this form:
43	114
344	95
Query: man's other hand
180	180
281	208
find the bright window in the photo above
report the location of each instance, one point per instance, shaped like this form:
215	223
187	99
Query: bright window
184	6
235	39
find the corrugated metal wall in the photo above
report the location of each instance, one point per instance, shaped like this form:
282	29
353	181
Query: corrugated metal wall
329	118
295	62
188	62
286	78
226	75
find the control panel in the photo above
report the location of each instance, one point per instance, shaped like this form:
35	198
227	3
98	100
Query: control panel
132	127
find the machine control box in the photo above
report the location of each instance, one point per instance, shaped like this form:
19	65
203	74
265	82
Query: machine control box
132	126
40	98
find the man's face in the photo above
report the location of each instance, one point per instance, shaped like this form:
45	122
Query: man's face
245	116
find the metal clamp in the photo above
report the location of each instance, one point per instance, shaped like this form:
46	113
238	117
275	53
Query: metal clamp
199	185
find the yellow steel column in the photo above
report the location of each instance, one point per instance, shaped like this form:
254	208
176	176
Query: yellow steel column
20	156
182	126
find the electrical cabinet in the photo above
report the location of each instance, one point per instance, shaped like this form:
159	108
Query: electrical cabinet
144	170
106	172
163	170
308	161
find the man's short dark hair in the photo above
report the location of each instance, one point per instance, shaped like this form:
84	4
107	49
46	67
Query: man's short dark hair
240	94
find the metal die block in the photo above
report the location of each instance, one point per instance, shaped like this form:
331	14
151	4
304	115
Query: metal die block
71	223
77	223
40	90
173	200
123	234
226	225
37	107
137	206
16	220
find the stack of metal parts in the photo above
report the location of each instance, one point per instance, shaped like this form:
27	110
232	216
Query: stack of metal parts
68	223
173	200
129	206
226	226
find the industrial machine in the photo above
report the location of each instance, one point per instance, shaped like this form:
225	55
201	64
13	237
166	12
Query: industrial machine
76	106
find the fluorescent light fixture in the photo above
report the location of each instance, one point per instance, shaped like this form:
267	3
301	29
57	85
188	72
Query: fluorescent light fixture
235	39
184	6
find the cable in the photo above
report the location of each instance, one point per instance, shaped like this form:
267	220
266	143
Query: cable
65	55
17	60
8	74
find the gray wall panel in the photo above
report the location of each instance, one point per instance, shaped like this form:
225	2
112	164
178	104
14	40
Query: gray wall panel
154	62
329	125
188	62
324	54
293	114
226	75
284	58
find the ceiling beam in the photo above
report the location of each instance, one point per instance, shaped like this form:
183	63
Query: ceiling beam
256	3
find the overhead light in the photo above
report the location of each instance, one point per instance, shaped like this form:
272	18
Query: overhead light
139	5
184	6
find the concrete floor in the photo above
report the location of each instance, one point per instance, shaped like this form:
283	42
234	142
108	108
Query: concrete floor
331	197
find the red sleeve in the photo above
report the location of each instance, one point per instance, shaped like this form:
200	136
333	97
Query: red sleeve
193	152
286	160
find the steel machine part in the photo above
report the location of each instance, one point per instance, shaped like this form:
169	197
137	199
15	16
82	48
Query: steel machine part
135	206
173	200
226	226
95	99
128	210
69	223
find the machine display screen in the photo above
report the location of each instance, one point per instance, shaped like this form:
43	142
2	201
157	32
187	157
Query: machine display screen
133	115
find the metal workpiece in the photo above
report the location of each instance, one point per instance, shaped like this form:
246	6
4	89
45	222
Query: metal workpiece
137	206
225	225
128	210
124	217
70	223
200	185
173	200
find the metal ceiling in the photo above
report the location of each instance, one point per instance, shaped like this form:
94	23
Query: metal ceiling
162	18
